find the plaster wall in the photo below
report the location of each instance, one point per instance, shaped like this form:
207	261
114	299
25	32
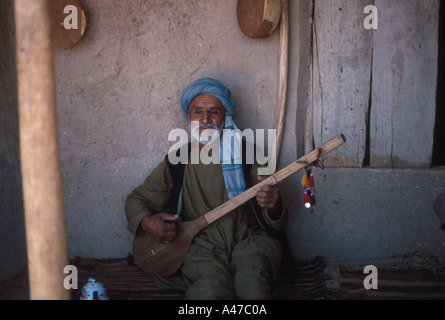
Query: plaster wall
363	214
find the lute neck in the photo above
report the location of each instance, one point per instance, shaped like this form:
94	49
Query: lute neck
277	177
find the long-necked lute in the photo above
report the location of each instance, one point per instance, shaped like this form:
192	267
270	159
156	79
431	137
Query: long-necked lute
165	259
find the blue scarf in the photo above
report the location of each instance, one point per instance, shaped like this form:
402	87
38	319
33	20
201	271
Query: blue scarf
230	162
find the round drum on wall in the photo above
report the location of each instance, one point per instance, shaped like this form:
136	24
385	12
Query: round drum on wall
258	18
69	22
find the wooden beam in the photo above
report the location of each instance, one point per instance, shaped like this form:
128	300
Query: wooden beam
283	76
41	177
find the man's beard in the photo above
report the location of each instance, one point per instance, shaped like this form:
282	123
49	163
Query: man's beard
213	132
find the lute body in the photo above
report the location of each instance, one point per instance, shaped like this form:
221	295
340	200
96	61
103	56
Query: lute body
165	259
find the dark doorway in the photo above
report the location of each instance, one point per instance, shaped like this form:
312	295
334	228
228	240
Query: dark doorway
439	130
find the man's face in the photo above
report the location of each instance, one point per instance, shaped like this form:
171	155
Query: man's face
206	109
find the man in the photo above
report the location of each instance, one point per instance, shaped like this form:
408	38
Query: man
234	257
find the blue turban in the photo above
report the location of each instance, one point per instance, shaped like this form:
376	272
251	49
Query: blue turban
211	87
232	169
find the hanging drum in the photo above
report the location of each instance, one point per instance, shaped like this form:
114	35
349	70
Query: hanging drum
258	18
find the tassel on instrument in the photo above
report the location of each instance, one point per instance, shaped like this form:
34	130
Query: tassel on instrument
311	182
307	200
313	201
308	183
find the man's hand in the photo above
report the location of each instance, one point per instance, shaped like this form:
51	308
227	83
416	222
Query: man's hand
269	198
161	226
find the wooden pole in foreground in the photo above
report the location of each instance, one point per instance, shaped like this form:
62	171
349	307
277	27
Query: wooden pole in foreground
41	177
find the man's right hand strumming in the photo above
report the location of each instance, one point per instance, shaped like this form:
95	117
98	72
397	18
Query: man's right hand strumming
161	227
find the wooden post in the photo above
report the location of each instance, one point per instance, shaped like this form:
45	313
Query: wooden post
41	177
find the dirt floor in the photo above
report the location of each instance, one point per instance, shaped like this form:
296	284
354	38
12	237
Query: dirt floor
415	276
